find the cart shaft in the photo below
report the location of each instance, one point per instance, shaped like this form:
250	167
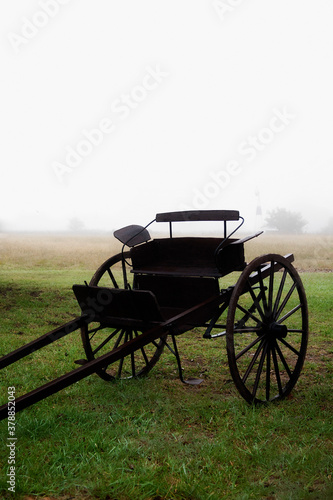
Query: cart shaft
42	341
97	364
87	369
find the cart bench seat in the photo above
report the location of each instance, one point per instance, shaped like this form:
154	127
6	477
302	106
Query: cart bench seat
187	256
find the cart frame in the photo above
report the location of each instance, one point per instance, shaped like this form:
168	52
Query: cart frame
267	296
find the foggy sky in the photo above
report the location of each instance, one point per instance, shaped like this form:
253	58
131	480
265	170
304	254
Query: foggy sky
114	111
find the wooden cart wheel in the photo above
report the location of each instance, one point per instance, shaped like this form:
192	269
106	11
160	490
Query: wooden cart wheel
267	329
98	339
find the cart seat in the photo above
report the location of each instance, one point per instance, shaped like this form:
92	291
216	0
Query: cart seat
188	256
118	307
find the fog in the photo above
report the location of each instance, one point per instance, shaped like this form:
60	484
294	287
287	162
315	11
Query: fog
114	111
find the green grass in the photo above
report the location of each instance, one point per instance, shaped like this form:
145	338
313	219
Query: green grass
155	438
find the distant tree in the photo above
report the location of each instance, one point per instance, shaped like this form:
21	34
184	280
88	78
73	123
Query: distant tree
76	225
285	221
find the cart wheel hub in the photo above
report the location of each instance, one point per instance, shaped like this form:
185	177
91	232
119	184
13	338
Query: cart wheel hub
278	331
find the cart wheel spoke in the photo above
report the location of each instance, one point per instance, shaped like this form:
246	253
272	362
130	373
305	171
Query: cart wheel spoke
121	363
295	351
119	339
248	314
144	355
271	288
252	362
266	355
93	332
279	293
112	278
130	337
103	338
247	348
142	349
108	338
285	301
268	371
259	370
277	371
288	314
283	359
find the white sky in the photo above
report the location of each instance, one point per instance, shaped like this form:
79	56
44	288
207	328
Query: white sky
225	76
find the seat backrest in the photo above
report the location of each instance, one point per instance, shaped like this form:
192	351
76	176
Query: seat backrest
176	256
187	257
198	215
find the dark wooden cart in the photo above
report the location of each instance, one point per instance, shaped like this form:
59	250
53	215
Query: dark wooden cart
139	301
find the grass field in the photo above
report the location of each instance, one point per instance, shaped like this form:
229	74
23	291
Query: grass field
83	251
155	438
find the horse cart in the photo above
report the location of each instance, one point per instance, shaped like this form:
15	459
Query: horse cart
141	300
